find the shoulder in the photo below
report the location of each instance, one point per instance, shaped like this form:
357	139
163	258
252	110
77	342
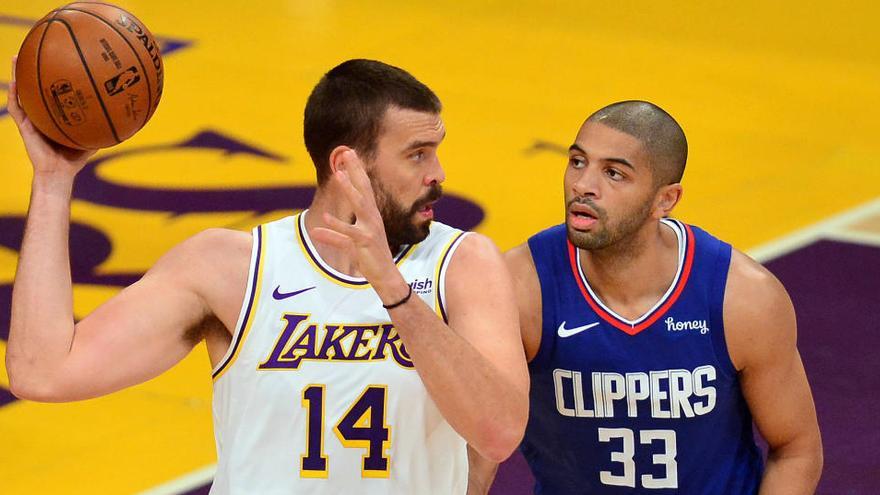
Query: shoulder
527	288
751	289
521	264
218	240
212	245
209	255
475	250
476	264
477	280
759	317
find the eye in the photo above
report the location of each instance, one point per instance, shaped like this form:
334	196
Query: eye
576	162
614	174
417	156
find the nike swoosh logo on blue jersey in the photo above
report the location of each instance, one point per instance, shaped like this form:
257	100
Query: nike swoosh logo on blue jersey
568	332
284	295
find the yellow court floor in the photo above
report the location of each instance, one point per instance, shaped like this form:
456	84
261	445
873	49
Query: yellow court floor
779	101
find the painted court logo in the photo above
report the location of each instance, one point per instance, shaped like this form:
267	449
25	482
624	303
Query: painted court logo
680	326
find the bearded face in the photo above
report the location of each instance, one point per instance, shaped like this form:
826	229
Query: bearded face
607	229
402	223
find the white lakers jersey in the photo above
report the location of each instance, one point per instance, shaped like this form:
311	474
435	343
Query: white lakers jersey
317	394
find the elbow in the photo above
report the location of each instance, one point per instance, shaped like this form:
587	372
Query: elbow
501	445
500	451
805	456
32	390
504	434
38	392
25	390
26	385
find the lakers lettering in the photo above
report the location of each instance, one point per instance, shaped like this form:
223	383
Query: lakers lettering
302	341
670	394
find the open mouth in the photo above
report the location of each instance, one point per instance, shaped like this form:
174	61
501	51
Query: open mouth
427	210
581	217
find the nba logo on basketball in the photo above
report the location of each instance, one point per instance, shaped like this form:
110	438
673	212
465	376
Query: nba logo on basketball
118	83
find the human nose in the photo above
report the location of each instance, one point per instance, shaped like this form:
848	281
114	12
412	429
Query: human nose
436	174
586	183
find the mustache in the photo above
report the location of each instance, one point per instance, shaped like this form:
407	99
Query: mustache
435	193
589	202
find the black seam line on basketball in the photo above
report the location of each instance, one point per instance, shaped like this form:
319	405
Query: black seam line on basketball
91	79
48	23
147	114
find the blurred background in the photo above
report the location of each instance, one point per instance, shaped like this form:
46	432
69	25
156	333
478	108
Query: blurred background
779	101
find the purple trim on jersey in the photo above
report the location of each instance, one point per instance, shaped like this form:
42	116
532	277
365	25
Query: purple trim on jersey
244	322
301	229
452	246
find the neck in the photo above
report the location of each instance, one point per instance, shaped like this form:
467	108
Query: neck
341	259
634	273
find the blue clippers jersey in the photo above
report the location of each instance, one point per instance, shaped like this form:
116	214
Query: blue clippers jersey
647	406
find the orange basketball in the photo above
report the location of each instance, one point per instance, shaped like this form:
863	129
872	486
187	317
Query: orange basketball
89	75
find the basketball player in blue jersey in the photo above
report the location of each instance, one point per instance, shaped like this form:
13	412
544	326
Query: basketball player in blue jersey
652	345
351	352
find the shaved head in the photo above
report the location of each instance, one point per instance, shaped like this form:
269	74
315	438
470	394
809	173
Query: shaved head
658	132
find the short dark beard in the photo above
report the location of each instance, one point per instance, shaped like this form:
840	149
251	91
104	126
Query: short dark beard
398	220
606	236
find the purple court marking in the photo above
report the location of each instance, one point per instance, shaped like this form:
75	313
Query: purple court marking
6	397
202	490
834	286
16	21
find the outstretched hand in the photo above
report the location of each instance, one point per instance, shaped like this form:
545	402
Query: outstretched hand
47	156
366	237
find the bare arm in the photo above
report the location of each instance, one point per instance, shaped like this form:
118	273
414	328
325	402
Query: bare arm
527	289
481	473
473	368
762	332
136	335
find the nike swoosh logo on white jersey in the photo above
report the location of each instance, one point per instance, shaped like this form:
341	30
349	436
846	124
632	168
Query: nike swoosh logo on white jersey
278	295
568	332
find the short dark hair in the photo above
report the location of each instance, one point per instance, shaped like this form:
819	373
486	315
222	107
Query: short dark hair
349	103
661	135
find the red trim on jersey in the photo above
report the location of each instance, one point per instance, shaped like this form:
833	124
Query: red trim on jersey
613	320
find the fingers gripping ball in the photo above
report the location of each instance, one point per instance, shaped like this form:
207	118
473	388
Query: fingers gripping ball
89	75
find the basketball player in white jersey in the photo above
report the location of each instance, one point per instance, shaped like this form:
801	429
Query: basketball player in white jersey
358	347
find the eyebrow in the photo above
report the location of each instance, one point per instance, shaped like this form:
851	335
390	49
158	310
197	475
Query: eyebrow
422	144
613	159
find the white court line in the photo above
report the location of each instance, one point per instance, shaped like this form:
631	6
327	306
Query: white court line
185	483
827	229
855	237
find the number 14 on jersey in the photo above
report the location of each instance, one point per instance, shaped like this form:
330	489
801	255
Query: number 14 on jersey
362	426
